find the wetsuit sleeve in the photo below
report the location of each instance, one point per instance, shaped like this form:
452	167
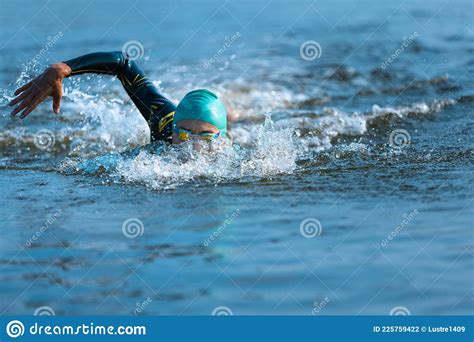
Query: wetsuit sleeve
155	107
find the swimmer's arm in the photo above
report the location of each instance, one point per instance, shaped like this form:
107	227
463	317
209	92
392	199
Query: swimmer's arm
110	63
143	93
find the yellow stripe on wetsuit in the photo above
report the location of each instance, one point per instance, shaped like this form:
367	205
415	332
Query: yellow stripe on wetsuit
165	120
141	90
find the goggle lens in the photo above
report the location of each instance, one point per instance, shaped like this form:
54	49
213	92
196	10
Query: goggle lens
185	135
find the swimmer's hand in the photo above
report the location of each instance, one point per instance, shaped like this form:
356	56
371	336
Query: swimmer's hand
49	83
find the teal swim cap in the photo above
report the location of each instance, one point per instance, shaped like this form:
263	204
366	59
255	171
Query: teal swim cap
203	105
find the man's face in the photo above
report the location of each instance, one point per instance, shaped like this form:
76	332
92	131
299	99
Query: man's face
194	126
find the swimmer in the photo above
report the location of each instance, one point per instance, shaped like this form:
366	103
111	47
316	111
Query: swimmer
200	115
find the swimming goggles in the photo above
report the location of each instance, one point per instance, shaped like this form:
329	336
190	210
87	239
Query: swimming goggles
185	135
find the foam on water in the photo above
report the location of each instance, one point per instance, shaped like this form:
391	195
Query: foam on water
270	151
274	127
116	124
258	150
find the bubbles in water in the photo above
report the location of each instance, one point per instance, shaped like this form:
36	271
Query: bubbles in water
271	152
104	134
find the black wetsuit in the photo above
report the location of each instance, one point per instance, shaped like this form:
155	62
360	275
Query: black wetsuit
157	110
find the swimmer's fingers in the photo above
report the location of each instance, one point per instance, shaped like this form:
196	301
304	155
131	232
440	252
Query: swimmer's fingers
19	108
32	97
23	88
31	106
19	98
26	101
57	94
